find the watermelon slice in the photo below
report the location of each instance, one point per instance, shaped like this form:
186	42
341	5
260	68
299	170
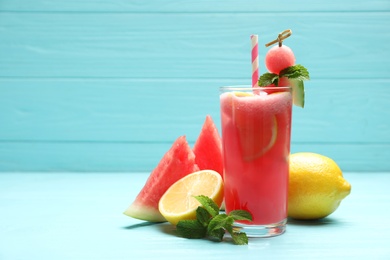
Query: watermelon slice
178	162
208	148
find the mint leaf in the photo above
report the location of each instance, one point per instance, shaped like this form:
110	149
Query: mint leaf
217	234
268	79
297	71
208	204
191	229
203	216
240	215
239	238
219	221
218	225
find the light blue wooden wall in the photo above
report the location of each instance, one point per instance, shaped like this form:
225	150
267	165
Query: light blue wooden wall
108	85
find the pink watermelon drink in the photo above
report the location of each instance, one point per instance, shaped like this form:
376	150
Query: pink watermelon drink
256	127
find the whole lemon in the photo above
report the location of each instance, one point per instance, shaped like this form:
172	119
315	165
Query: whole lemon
316	186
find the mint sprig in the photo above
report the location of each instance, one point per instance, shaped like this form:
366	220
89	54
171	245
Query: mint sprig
297	72
210	223
296	75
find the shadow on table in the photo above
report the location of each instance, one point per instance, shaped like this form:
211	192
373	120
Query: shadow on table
143	224
317	222
167	228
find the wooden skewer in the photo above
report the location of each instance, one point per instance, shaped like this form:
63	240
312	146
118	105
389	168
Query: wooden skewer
283	35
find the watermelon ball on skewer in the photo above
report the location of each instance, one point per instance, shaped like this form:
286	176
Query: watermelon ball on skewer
280	62
279	58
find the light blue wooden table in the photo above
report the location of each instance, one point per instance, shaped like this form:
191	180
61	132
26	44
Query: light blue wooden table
94	92
79	216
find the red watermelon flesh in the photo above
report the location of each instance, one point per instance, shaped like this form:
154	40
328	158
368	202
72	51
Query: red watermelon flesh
178	162
208	148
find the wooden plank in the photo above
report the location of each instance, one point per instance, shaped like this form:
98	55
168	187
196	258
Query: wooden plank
192	6
126	110
81	82
188	45
132	156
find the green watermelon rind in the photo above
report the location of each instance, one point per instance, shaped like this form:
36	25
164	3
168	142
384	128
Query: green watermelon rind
144	213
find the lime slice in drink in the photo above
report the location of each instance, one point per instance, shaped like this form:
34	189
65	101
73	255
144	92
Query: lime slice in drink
255	143
298	92
256	124
243	94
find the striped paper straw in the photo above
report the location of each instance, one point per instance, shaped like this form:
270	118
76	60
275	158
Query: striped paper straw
255	60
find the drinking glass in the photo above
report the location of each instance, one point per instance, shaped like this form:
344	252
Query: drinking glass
256	129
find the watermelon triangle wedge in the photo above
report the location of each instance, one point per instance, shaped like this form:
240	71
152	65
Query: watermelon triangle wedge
208	148
176	163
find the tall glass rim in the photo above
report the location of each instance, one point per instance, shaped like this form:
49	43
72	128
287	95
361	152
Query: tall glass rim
250	88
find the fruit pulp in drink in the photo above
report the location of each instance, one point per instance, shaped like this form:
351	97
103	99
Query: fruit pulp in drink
256	128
